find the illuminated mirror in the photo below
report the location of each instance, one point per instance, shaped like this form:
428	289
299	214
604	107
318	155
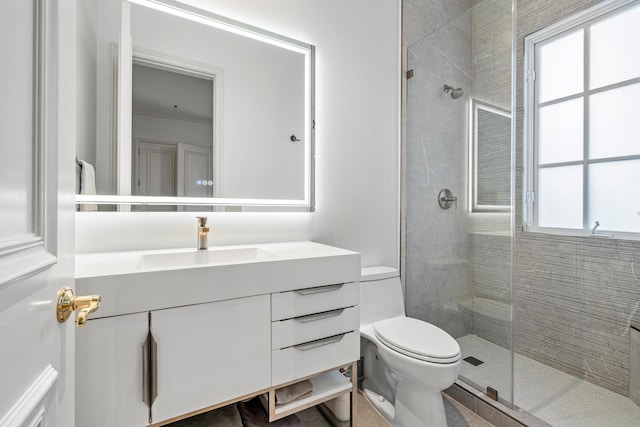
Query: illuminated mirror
184	109
490	158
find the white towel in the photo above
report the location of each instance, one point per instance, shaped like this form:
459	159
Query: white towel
78	176
87	183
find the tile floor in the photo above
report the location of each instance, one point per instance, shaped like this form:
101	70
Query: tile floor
551	395
457	416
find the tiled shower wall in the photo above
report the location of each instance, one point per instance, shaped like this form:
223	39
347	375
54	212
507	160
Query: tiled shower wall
490	232
437	47
574	297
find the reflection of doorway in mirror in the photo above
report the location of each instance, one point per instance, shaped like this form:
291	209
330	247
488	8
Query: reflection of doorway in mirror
194	171
173	106
154	171
194	174
170	169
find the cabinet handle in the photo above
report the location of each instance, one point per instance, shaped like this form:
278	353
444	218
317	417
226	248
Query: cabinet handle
310	291
319	316
149	370
319	343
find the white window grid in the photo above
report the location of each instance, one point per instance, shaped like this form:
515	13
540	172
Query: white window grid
532	43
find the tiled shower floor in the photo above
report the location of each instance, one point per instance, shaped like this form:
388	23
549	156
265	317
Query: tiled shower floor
551	395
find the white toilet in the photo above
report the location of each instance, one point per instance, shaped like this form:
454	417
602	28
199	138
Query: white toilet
407	362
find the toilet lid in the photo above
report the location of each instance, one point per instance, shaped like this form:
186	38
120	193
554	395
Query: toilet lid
418	339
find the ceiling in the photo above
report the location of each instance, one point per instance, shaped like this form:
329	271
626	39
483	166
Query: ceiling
163	92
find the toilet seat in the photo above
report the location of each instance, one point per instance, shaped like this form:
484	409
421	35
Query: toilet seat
417	339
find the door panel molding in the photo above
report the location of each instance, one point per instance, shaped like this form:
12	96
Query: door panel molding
30	410
25	255
25	265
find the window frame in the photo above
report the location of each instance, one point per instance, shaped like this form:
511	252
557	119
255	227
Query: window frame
580	21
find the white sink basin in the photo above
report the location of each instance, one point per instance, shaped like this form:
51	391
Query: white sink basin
202	258
154	279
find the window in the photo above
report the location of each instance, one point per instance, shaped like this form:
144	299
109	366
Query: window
582	122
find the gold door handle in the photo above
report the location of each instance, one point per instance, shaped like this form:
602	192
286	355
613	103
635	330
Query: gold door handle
68	302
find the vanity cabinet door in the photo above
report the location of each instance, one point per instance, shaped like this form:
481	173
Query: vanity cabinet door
211	353
109	372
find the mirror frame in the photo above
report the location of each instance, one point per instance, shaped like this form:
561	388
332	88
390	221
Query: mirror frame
126	55
476	105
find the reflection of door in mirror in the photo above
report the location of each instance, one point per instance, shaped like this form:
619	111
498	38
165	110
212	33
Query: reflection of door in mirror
154	172
155	169
172	130
194	171
169	169
194	174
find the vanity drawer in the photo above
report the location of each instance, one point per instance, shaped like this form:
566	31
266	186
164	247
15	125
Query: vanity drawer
313	357
285	333
286	305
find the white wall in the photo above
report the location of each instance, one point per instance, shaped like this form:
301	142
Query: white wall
167	129
357	139
97	33
87	13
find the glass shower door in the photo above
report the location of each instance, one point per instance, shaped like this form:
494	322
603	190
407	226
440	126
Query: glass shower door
458	254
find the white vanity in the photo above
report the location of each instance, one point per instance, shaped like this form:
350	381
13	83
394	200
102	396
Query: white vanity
184	331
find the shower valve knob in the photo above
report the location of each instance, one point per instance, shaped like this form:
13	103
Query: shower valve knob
446	199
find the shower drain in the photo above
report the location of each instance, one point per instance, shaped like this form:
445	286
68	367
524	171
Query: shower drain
474	361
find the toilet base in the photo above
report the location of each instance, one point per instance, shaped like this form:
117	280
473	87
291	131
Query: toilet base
418	409
382	405
430	412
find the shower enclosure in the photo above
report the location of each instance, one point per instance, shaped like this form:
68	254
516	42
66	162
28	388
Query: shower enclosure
545	322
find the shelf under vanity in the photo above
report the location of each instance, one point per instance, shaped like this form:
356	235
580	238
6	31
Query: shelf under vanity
326	386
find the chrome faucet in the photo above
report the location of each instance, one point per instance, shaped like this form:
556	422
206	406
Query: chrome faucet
203	231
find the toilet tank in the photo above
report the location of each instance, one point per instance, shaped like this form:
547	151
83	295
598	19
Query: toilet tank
380	294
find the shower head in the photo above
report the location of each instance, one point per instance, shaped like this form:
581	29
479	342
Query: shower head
455	92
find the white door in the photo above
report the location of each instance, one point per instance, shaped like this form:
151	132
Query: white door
156	168
154	172
37	144
195	174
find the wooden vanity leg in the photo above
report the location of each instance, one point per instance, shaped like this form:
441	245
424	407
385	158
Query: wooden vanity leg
272	404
